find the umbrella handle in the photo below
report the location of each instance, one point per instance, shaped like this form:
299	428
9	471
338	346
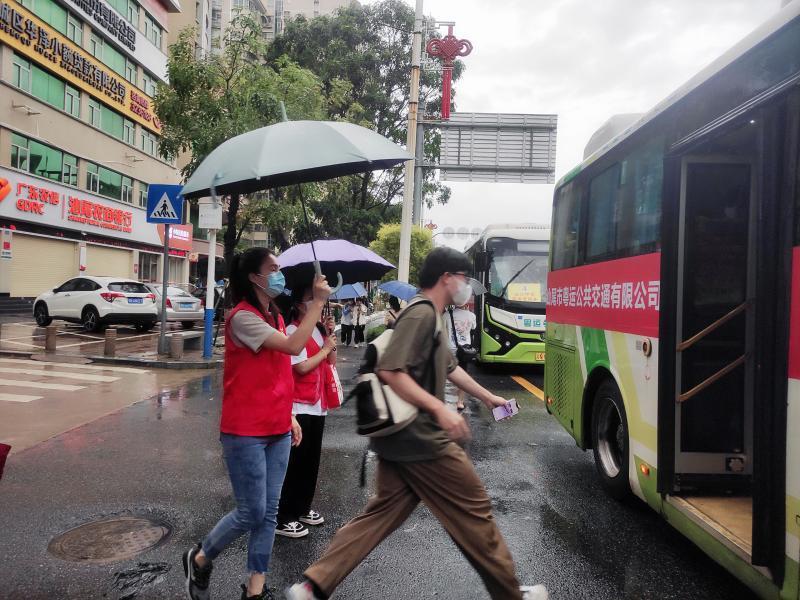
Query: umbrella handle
339	284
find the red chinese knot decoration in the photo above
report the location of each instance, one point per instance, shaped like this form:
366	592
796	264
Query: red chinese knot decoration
448	49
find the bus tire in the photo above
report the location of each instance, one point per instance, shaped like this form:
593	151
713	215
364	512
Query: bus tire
611	440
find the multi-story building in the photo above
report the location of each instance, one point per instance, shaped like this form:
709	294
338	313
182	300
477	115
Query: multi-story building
79	141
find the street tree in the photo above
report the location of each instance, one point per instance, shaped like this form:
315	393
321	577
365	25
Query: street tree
213	98
369	47
387	245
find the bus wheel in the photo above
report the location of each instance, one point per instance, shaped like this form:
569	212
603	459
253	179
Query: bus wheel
611	440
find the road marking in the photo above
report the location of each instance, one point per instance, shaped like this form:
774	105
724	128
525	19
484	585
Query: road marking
18	398
64	374
112	368
62	387
529	387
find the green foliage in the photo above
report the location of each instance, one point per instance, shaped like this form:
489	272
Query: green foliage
387	245
375	332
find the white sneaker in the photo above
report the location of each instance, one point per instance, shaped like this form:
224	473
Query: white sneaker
534	592
312	518
300	591
292	530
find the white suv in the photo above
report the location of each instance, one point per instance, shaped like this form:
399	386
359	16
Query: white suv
98	301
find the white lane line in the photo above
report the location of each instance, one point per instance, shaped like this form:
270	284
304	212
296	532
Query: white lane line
23	337
64	374
18	398
112	368
62	387
79	344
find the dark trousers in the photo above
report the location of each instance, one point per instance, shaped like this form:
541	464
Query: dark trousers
347	334
301	475
359	334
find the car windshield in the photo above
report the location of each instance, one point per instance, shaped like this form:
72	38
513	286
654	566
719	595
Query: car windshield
173	291
128	287
518	271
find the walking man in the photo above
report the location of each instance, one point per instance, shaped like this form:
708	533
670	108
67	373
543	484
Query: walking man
423	461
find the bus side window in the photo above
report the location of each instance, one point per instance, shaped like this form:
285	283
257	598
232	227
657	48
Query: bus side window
566	223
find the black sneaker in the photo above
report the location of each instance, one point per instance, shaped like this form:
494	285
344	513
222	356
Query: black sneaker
197	578
294	529
266	594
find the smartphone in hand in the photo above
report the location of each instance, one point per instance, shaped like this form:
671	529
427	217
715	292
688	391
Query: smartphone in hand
504	411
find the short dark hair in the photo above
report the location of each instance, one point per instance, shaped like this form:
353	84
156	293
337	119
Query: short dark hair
439	261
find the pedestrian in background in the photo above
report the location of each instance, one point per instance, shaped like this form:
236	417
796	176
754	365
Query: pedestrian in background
315	392
393	311
347	322
423	461
257	429
359	321
461	322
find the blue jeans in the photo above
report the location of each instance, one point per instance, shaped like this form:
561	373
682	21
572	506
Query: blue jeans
256	466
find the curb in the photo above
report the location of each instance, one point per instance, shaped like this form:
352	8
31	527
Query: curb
214	363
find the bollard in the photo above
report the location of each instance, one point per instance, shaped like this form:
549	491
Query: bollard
110	348
1	331
176	346
50	333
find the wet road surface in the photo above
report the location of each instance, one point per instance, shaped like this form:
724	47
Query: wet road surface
161	458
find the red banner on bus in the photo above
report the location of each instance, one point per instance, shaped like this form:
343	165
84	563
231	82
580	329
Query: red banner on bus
618	295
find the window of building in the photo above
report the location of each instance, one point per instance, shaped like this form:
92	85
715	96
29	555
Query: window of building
19	152
148	267
50	12
130	71
72	101
115	60
47	88
129	133
27	4
133	13
109	183
74	29
69	170
21	73
566	227
148	84
94	113
152	30
92	178
127	190
149	142
143	187
96	46
112	122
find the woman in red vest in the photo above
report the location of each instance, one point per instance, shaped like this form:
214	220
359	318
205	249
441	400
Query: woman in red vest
315	391
257	427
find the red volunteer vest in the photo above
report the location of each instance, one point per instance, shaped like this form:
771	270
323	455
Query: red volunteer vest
257	386
317	384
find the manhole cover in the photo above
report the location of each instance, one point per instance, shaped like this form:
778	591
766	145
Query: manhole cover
109	540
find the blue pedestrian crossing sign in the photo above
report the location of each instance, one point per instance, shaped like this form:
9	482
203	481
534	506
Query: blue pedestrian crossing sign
164	204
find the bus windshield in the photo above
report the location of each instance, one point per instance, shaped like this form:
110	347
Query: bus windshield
518	269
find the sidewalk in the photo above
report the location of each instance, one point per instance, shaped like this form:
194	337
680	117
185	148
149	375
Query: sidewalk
22	338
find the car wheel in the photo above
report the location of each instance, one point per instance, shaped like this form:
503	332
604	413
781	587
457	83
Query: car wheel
40	314
91	319
187	324
611	440
144	327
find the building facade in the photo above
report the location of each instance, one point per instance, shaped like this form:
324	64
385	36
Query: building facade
79	141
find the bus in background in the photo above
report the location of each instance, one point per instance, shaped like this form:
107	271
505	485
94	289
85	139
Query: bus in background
673	317
511	262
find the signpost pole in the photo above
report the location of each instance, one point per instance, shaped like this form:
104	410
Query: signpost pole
210	284
162	339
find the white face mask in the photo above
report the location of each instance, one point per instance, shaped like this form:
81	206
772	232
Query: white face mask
462	294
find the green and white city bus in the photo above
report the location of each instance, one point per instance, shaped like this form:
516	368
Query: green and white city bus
673	316
511	262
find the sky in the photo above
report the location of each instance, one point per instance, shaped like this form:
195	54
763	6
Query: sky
584	60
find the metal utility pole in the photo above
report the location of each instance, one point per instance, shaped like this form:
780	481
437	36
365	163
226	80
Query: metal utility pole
419	172
411	143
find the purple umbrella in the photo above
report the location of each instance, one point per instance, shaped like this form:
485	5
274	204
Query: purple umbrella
354	262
